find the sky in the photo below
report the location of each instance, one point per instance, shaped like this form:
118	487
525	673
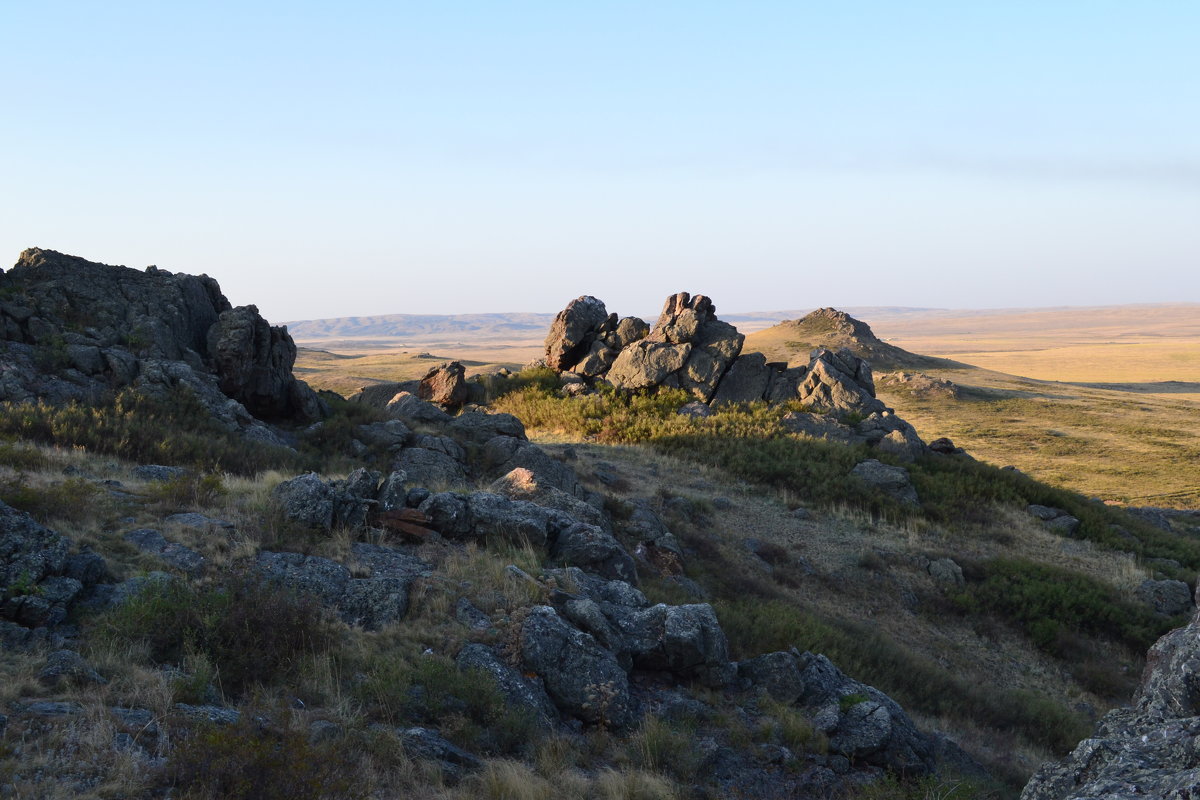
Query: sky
360	158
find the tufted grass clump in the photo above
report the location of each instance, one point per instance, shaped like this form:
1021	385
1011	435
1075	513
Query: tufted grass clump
251	632
247	762
71	500
174	430
466	706
759	626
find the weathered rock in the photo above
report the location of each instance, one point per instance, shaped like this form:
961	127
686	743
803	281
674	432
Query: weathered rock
306	500
153	542
839	383
581	677
594	550
1168	598
1065	525
686	641
946	573
646	363
476	428
157	472
521	484
1045	513
1148	750
35	583
414	411
430	468
892	481
862	723
254	361
520	692
746	380
429	744
492	515
573	332
778	674
445	385
65	667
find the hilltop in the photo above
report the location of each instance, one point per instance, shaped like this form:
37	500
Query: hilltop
793	340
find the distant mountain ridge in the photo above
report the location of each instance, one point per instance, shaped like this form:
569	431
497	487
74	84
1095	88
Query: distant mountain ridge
414	326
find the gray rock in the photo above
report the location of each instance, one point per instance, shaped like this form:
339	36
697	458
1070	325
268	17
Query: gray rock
495	516
413	411
581	677
686	641
696	409
157	472
862	723
215	715
428	744
647	363
573	332
1148	750
839	383
778	674
892	481
47	708
152	542
519	692
746	380
522	484
1168	598
430	468
66	667
306	500
1044	513
390	435
448	514
466	613
477	428
592	549
1065	525
87	567
254	361
946	573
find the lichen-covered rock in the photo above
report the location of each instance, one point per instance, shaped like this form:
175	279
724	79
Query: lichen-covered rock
307	500
1169	598
154	543
1148	750
520	692
839	383
594	550
431	468
66	667
778	674
892	481
582	678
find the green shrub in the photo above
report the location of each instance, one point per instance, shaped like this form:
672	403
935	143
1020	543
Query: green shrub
174	430
246	762
22	457
1048	601
189	490
73	500
250	631
757	626
466	705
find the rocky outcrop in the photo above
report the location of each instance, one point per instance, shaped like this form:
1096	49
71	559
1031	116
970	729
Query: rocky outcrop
690	349
71	329
1147	750
40	580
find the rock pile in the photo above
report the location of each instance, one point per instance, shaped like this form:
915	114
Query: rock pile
72	329
690	349
1146	750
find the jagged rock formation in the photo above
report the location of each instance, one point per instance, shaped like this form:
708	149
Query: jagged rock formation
76	330
689	348
1147	750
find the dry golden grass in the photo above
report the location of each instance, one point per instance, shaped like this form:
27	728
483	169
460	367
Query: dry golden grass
347	373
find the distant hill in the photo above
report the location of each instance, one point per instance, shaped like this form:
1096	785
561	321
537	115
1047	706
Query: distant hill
422	326
793	340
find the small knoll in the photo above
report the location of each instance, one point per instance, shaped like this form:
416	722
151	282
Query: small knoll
793	340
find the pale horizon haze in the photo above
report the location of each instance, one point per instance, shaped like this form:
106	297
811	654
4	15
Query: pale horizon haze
372	158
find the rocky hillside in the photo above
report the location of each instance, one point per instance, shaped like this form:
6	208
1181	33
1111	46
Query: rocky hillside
787	595
792	340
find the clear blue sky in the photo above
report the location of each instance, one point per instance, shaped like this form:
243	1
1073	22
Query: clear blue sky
326	159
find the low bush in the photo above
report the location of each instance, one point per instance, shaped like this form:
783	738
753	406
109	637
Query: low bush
250	632
758	626
73	500
247	762
175	430
465	705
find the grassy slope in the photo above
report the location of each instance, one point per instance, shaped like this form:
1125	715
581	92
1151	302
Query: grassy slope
346	374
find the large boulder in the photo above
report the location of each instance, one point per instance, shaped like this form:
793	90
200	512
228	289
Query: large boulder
445	385
839	383
573	331
1147	750
747	380
594	550
892	481
582	678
